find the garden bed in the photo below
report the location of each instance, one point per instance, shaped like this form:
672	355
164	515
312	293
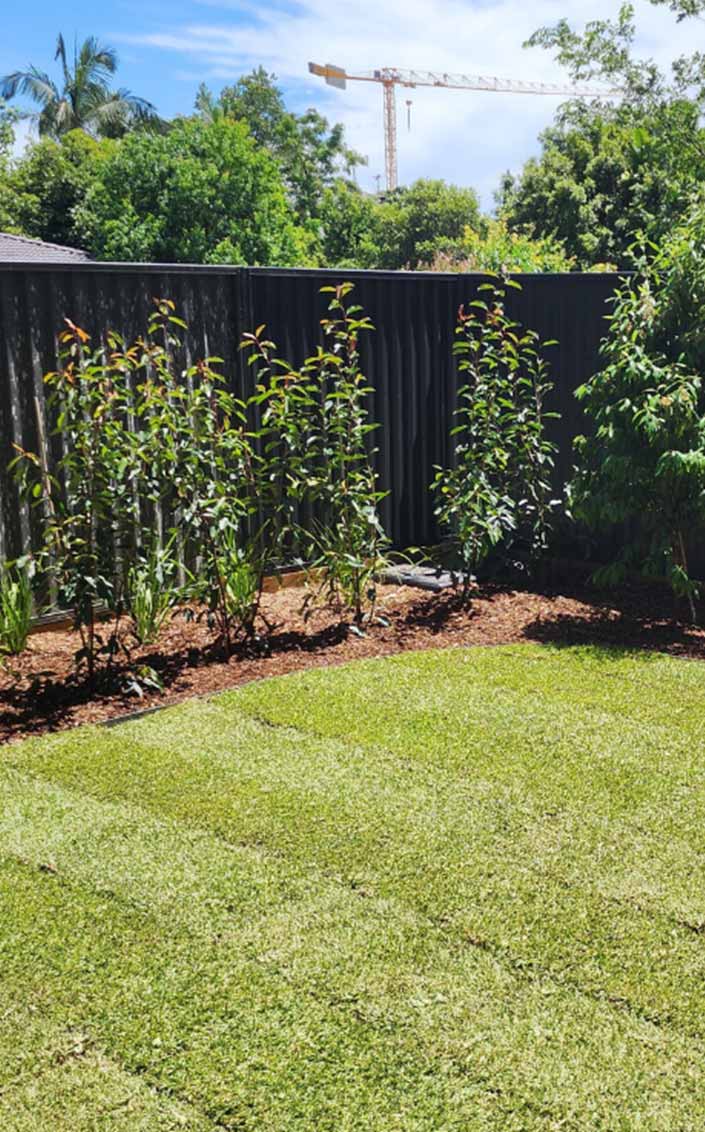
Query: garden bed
40	691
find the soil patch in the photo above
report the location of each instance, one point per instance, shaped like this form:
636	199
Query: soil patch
40	691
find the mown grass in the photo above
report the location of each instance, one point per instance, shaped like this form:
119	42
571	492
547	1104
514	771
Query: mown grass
460	890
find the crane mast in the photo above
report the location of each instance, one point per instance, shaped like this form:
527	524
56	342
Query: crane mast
391	77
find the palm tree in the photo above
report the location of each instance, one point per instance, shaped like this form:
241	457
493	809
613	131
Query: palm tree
84	100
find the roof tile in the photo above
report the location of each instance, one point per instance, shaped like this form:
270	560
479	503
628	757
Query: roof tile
22	249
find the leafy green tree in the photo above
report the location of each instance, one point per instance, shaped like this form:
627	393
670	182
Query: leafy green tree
415	221
349	227
204	192
684	9
8	118
9	212
405	229
83	98
612	167
310	153
50	182
606	173
497	250
604	51
643	465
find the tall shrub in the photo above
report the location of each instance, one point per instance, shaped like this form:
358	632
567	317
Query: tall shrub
86	496
497	494
151	453
642	468
317	421
196	447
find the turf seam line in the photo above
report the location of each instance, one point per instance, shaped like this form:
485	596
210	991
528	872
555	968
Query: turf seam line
455	939
335	879
623	1005
268	853
335	1005
51	1061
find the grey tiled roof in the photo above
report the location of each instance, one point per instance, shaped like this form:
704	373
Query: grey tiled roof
21	249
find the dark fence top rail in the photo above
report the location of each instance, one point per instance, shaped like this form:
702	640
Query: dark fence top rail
408	358
130	268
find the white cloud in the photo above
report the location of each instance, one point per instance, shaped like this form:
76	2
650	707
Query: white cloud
467	137
25	131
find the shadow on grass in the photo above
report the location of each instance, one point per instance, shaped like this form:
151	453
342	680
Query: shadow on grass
641	619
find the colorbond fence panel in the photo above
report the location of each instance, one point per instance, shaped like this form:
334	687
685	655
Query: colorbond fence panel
408	359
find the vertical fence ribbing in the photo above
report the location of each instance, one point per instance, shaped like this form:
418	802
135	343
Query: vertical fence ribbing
408	359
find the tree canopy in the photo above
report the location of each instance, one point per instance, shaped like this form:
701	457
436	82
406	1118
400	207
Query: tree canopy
604	175
51	182
244	179
643	464
401	230
310	152
612	168
82	98
415	220
9	220
496	250
204	192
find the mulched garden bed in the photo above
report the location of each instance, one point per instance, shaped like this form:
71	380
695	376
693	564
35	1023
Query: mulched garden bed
40	692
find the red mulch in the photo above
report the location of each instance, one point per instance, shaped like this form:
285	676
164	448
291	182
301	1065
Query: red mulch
40	691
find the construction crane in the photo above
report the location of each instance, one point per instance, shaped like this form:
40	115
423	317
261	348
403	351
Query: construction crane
391	77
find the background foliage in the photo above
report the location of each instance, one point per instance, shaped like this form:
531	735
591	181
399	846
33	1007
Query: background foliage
643	466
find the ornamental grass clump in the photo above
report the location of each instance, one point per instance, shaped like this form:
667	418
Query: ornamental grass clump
152	592
16	607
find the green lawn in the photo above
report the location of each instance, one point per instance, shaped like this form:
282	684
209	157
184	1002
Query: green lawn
459	890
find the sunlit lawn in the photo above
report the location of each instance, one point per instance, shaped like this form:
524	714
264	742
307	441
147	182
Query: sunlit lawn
458	890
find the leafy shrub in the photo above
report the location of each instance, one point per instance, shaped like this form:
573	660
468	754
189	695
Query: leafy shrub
643	466
317	427
147	444
497	250
15	608
141	438
498	492
203	449
86	498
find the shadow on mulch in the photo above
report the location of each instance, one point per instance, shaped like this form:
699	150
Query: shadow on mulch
45	693
644	618
432	615
50	704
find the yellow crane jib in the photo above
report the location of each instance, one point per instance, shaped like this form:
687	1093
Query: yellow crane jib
391	77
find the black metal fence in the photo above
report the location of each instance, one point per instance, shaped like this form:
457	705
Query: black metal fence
408	359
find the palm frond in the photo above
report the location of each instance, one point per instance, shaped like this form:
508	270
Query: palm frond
64	116
96	60
85	100
114	115
60	54
32	84
140	108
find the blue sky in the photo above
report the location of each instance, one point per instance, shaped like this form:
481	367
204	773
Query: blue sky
167	47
